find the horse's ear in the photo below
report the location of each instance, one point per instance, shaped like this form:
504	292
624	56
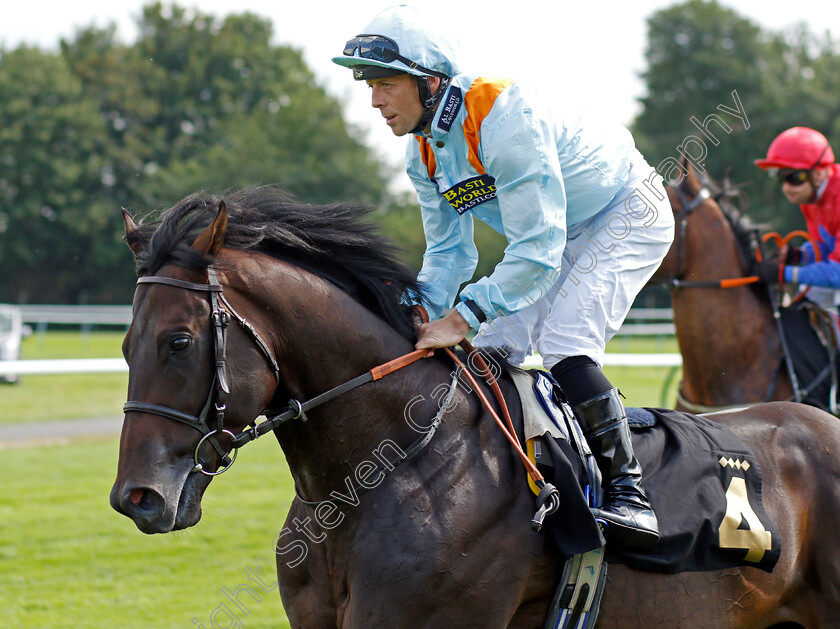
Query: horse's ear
690	173
210	241
132	233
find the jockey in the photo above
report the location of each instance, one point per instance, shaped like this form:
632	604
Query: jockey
803	162
586	219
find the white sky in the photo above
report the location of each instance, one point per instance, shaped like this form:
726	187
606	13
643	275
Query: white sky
594	50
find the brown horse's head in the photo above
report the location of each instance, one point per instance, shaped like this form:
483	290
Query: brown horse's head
283	275
696	238
172	351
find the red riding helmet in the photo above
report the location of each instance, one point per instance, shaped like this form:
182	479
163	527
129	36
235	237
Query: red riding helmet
800	148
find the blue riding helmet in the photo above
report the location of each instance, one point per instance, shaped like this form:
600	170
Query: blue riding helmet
400	39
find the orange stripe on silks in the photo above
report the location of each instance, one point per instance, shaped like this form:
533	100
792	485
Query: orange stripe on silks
479	100
428	156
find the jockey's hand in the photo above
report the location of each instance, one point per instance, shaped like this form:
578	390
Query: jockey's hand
768	272
445	332
787	255
826	242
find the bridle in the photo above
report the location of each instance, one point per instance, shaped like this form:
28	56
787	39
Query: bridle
219	387
676	280
681	220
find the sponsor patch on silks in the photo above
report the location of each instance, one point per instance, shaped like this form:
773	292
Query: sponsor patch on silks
469	193
450	109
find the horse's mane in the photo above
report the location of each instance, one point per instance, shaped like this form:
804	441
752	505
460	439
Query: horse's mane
335	242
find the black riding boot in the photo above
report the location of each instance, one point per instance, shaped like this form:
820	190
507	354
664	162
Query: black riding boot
626	507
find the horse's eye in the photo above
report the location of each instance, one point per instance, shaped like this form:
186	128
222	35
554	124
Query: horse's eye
179	343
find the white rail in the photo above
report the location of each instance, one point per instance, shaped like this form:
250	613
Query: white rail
70	365
118	365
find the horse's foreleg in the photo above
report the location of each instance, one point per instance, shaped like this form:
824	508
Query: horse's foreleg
303	575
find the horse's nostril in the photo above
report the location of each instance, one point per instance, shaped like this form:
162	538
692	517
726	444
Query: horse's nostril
136	496
142	502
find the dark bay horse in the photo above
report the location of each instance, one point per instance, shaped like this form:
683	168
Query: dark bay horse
729	341
306	298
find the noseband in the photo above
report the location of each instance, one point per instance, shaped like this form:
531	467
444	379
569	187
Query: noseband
219	388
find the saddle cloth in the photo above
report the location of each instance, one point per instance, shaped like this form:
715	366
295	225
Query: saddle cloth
703	482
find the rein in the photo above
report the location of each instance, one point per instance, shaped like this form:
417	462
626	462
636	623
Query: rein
297	409
387	467
547	502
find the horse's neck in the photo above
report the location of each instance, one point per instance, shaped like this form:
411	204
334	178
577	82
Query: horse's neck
727	336
333	340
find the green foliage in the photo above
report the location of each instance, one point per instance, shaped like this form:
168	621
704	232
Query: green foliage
196	102
53	209
698	53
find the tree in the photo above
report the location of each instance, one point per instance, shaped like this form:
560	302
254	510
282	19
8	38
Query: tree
52	200
698	54
195	103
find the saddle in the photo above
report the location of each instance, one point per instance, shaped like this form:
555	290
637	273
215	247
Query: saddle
703	482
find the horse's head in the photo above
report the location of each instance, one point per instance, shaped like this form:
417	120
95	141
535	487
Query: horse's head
197	375
299	299
703	222
685	197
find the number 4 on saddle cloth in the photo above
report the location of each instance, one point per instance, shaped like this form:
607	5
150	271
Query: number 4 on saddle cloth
703	482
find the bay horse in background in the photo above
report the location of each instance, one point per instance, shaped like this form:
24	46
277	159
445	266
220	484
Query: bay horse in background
254	301
728	338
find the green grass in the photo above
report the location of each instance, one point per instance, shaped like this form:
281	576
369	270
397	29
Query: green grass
68	560
72	344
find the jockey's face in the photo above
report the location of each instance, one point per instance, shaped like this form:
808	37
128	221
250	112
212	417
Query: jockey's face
798	194
398	100
804	193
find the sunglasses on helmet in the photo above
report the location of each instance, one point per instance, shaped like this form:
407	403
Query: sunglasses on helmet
381	48
792	177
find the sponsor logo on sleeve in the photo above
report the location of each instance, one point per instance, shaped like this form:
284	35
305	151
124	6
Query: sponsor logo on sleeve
469	193
450	109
